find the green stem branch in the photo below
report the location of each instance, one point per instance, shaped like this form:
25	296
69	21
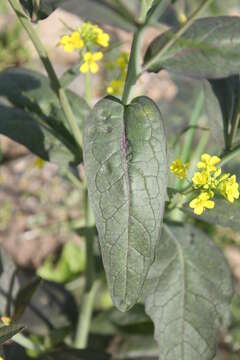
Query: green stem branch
234	127
92	285
134	66
155	59
85	316
226	157
55	83
88	94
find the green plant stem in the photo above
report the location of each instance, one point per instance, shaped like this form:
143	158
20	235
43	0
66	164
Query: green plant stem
228	156
144	10
234	127
186	152
55	83
85	316
198	152
177	35
134	66
92	285
88	93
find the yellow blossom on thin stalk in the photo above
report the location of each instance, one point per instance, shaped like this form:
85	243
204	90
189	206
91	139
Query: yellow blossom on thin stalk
208	182
72	42
90	62
102	38
93	35
229	188
208	162
201	202
179	169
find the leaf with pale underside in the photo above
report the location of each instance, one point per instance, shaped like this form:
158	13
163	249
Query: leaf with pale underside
187	294
126	166
208	49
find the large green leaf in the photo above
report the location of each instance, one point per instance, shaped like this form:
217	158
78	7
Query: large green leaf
187	294
126	167
31	91
221	98
7	332
209	49
224	213
103	11
23	128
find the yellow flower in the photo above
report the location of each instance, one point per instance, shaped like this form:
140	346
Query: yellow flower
208	162
1	358
5	320
200	179
229	188
90	60
179	169
102	38
201	202
93	34
72	42
116	87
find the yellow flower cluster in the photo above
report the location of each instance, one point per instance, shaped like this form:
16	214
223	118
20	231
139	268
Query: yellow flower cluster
87	39
209	181
179	169
116	85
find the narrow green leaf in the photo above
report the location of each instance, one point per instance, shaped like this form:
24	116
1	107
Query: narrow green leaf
126	167
157	10
26	130
221	97
224	213
208	49
24	297
187	294
7	332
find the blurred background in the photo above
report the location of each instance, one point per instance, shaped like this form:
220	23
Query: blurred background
40	210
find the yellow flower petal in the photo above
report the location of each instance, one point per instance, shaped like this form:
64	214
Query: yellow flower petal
97	56
87	56
84	68
94	67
